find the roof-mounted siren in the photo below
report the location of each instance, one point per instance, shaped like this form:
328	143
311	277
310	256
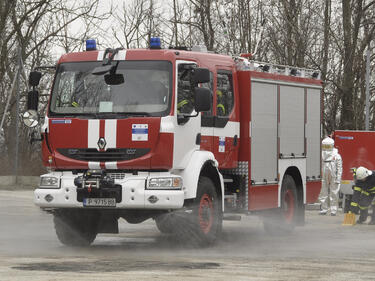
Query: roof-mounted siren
155	43
90	45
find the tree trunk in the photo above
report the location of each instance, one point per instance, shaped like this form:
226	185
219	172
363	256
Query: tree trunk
347	114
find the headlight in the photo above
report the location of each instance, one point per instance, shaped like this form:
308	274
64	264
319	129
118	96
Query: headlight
165	183
49	182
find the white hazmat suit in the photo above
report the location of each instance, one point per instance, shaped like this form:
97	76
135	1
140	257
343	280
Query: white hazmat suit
332	171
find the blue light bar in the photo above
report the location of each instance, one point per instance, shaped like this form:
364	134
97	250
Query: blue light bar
90	45
155	43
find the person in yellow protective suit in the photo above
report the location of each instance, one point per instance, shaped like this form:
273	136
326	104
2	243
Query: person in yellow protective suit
185	97
220	108
363	194
332	172
185	103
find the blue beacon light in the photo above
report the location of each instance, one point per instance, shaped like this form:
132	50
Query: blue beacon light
90	45
155	43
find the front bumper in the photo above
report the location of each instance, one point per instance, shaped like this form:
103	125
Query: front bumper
134	194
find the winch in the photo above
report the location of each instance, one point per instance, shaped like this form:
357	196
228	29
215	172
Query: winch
97	184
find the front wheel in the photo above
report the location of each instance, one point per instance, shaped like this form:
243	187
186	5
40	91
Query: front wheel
205	220
283	220
165	224
75	228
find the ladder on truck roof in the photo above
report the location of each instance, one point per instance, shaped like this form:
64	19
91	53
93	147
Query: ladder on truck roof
245	64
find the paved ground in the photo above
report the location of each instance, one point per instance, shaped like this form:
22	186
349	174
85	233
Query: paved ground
322	250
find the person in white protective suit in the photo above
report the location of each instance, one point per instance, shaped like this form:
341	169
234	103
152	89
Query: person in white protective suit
332	171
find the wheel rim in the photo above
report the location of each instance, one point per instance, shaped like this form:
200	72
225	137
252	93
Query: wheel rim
206	213
289	205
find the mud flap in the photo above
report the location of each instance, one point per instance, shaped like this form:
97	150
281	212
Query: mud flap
108	224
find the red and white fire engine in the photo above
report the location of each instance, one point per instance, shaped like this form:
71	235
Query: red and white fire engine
356	149
179	136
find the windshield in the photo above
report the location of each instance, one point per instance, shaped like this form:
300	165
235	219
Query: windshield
145	91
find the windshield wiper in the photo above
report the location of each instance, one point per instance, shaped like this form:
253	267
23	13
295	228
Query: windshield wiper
123	114
102	115
138	113
108	115
73	115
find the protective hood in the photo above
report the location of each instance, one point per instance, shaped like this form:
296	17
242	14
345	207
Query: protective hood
328	149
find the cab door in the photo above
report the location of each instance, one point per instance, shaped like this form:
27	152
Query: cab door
226	124
187	130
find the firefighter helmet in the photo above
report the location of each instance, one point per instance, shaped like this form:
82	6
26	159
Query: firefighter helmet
362	173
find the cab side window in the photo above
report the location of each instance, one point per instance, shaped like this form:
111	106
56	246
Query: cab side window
224	93
185	98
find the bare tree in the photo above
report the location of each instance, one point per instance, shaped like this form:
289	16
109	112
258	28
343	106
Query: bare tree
355	42
327	35
36	27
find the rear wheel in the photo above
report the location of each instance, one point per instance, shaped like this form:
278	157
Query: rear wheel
74	228
283	219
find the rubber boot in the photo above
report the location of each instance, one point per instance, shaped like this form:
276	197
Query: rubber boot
362	217
372	221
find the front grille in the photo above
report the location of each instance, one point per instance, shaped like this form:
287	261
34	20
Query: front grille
116	176
111	154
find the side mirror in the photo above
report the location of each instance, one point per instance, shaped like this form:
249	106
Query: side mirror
201	75
202	99
114	79
34	78
32	100
30	118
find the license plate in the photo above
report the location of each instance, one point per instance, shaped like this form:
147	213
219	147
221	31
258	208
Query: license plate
99	202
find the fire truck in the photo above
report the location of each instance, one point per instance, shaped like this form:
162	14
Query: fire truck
356	149
185	137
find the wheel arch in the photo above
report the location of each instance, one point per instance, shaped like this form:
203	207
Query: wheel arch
210	171
202	163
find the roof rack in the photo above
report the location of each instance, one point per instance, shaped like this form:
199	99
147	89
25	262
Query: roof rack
195	48
245	64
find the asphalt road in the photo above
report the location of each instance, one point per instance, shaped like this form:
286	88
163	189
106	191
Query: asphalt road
321	250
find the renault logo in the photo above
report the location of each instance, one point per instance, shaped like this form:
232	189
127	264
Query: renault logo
102	143
153	199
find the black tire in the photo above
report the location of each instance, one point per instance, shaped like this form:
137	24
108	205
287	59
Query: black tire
283	220
165	224
204	224
74	228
